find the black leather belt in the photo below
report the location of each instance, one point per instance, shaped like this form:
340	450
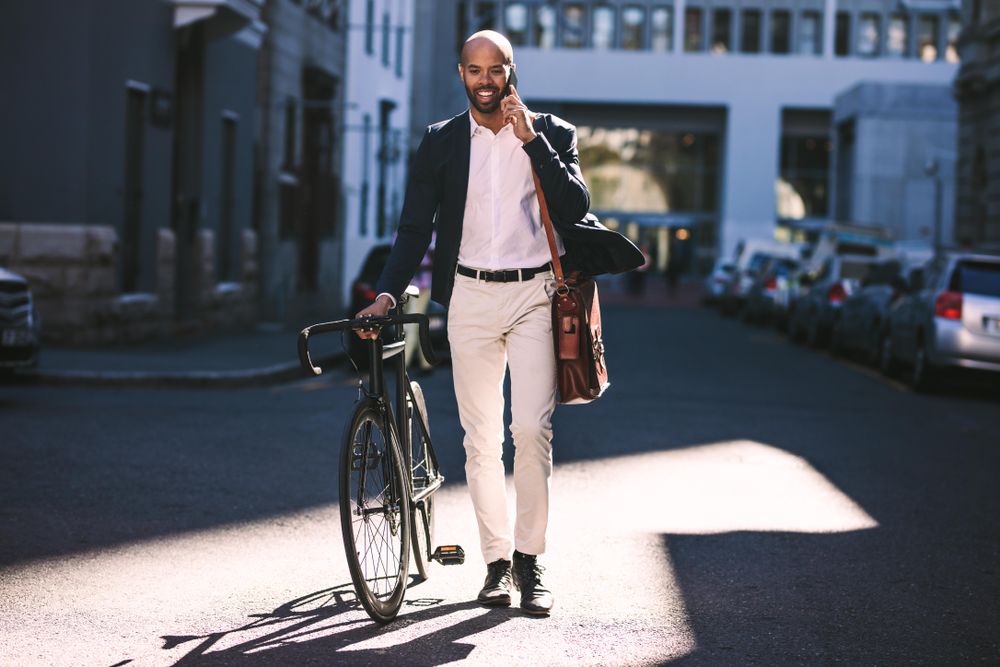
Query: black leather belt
508	276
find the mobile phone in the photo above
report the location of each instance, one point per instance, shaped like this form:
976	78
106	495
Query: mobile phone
511	81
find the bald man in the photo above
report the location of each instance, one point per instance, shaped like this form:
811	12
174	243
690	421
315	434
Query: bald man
471	180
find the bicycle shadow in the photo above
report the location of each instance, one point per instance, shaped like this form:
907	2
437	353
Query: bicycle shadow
312	627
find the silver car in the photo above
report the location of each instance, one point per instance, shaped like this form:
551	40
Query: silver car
952	322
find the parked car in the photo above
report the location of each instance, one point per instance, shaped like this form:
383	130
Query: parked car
751	259
861	324
767	299
715	283
951	322
20	330
821	294
363	293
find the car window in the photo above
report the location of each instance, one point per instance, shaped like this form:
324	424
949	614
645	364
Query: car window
976	278
882	273
757	262
855	270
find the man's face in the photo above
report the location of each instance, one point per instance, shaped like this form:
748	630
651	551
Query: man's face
484	75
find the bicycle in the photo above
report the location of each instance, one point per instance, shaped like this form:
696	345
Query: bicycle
388	469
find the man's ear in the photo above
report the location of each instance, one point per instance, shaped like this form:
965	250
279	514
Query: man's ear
461	72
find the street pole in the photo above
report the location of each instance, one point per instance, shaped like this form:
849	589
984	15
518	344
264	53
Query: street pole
932	169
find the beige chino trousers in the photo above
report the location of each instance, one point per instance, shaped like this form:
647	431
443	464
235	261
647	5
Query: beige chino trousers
493	326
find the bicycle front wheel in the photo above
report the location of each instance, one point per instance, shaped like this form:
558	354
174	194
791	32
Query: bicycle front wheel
375	512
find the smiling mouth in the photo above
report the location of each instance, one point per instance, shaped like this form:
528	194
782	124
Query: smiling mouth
486	94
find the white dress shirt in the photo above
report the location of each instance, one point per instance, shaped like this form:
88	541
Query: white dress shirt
502	227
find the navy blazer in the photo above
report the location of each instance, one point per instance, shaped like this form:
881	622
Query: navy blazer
435	197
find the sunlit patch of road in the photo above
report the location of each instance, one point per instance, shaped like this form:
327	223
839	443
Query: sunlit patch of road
278	589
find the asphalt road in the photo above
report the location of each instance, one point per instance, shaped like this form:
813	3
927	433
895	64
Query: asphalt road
733	500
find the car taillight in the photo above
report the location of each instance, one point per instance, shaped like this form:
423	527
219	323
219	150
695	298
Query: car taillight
364	291
948	305
771	284
836	294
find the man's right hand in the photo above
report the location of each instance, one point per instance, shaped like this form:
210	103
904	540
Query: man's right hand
380	308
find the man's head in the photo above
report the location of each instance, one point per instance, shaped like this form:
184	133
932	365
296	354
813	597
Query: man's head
486	63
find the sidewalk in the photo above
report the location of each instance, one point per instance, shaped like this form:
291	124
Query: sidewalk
262	356
265	355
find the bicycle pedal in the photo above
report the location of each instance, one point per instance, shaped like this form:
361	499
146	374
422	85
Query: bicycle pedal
450	554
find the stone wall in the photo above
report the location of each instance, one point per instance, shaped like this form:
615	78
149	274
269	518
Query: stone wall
73	273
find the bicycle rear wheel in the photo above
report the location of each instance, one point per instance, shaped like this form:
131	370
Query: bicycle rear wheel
375	512
424	471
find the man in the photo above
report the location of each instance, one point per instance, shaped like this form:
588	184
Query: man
493	270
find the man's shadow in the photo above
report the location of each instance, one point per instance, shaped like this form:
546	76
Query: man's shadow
312	627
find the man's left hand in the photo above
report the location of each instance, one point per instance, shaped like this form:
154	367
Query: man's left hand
515	113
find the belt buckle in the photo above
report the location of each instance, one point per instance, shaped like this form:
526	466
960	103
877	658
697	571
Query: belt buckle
520	275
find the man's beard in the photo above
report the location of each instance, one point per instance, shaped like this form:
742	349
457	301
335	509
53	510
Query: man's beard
479	105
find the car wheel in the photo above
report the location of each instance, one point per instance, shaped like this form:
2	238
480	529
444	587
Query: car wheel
922	377
886	360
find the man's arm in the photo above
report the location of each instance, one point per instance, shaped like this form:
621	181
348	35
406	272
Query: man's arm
559	172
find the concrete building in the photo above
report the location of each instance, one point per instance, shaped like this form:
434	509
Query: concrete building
376	126
894	159
977	88
126	179
707	120
299	206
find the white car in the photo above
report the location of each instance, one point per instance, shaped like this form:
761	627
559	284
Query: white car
19	325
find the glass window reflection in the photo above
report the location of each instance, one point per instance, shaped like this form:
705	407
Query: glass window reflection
633	28
780	31
722	31
515	21
869	34
805	167
602	35
661	29
895	45
693	38
954	28
572	26
810	34
545	27
927	38
750	36
650	171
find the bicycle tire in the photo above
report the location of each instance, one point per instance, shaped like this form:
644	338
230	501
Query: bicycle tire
422	471
375	512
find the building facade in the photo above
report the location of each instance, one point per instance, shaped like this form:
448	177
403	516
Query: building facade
126	182
977	89
376	127
702	120
300	213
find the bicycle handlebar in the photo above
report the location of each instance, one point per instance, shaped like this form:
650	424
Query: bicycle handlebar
366	323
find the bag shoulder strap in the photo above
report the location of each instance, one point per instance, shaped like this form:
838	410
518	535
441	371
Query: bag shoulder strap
550	234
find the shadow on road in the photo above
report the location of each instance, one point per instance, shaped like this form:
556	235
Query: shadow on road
313	626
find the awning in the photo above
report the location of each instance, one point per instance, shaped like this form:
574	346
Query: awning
238	13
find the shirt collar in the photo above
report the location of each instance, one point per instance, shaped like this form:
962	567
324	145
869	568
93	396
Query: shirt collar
475	127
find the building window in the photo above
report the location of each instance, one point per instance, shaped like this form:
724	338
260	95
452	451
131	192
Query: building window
750	36
545	27
633	28
954	28
400	37
781	31
515	22
693	40
868	35
573	18
722	30
461	25
385	38
486	16
842	38
810	34
845	170
370	27
288	161
927	38
602	34
651	171
895	45
366	133
805	171
661	29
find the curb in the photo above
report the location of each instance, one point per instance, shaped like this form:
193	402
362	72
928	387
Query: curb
252	377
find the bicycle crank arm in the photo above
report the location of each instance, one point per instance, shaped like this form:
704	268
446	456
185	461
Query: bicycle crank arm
450	554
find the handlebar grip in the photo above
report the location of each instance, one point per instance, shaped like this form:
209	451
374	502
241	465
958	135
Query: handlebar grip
339	325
